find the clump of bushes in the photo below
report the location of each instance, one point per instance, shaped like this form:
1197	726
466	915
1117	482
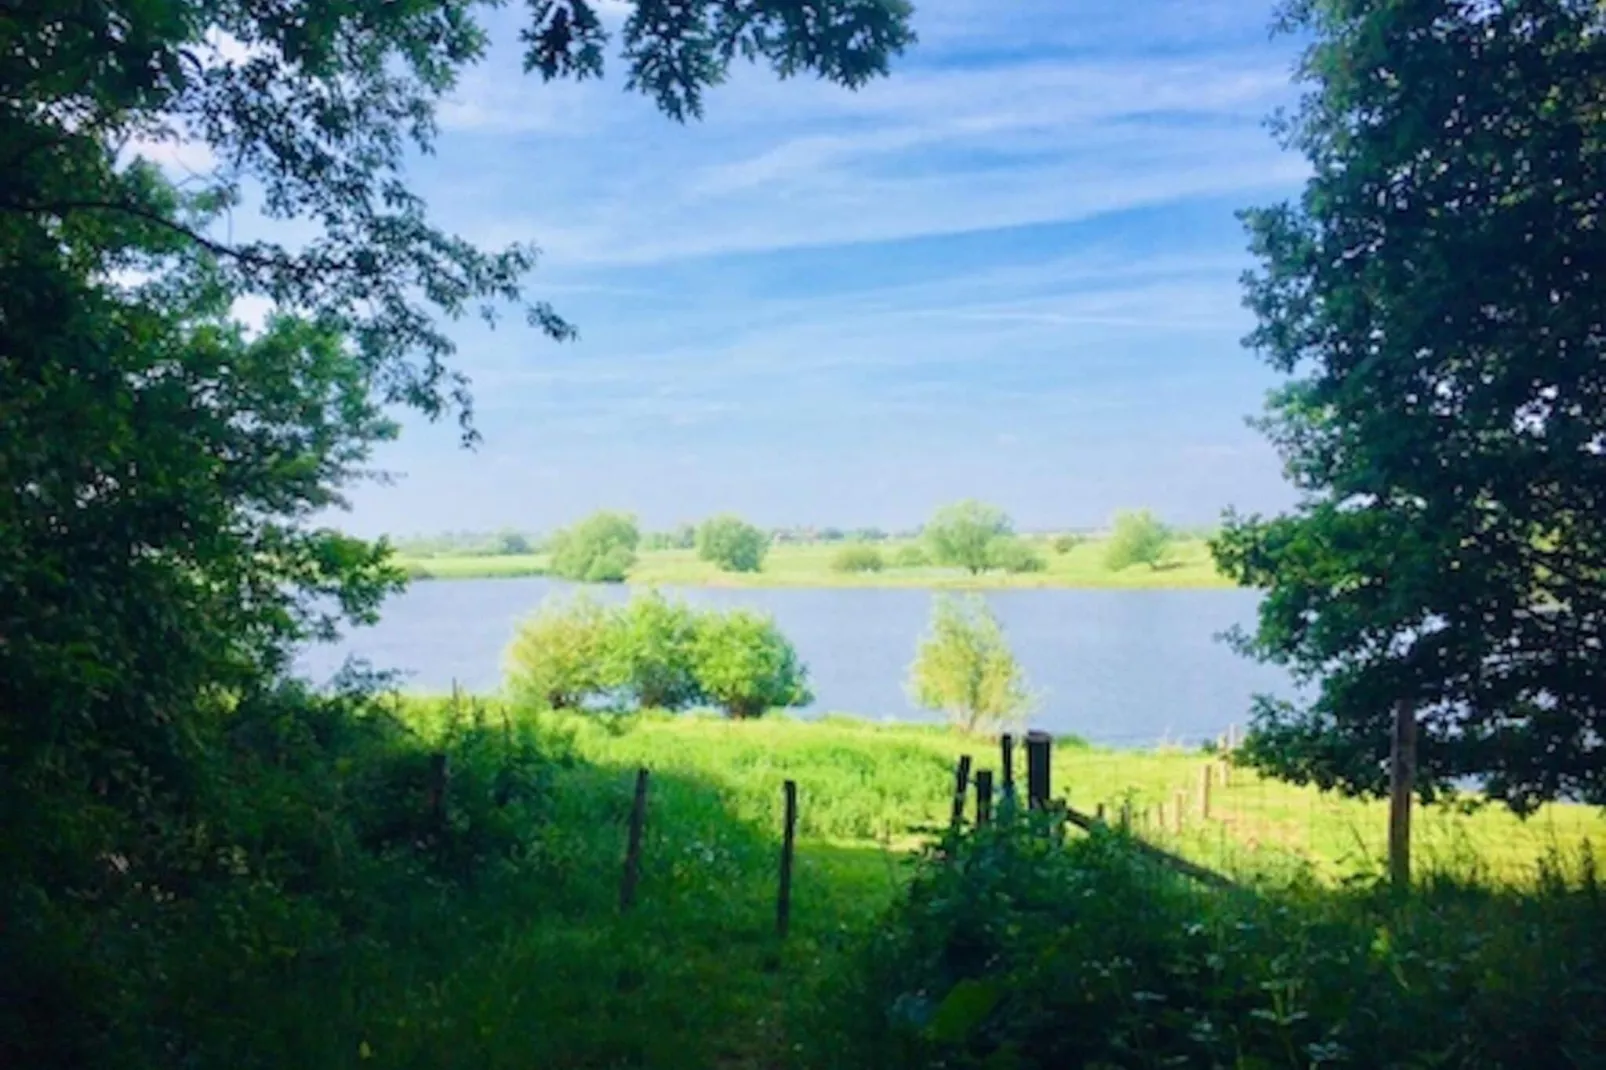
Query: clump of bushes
1010	949
911	556
654	654
1015	555
732	544
1065	543
858	557
599	549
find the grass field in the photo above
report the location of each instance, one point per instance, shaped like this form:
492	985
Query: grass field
810	566
695	976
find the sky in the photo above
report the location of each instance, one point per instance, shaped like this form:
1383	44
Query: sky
1008	271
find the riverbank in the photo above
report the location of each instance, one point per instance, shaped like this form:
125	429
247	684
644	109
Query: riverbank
1190	568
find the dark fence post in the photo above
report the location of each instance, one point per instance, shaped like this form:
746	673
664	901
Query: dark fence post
961	786
1038	754
1402	782
984	796
440	776
783	899
638	820
1007	746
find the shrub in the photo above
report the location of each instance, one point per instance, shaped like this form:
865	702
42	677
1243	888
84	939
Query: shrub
1015	555
566	655
858	557
962	534
509	543
599	549
1064	544
732	543
1010	950
964	667
746	666
1136	538
911	556
651	652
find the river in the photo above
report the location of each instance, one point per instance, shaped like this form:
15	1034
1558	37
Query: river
1126	668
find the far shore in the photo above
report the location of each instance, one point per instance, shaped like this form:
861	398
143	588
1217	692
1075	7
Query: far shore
1188	567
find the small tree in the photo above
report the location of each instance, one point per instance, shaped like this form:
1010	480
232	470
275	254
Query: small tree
599	549
911	556
512	542
562	656
732	543
1136	538
858	557
964	667
746	666
651	652
1015	555
962	534
1065	543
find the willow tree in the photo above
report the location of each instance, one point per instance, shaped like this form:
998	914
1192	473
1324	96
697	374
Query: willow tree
1437	299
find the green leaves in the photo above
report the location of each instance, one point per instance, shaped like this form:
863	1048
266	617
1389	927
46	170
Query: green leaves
1434	295
965	668
1136	538
963	534
599	549
732	543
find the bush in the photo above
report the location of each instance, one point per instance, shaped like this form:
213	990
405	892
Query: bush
732	544
1010	950
566	655
1064	544
651	651
509	543
746	665
964	667
911	556
1015	555
858	557
599	549
1136	538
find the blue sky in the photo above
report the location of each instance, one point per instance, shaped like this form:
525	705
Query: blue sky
1009	271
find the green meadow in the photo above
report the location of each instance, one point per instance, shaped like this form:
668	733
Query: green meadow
809	565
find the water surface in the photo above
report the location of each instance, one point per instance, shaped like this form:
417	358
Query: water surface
1121	667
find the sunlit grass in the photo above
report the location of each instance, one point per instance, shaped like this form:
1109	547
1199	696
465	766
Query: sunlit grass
1189	566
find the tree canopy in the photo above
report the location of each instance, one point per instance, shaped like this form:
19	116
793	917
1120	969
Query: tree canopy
732	543
1137	537
599	549
965	668
963	534
162	468
1435	297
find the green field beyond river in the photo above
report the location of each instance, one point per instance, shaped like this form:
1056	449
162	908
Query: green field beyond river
1188	565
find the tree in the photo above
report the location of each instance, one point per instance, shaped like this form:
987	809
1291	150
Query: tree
1014	555
747	666
565	655
509	543
653	650
1136	538
1065	543
858	557
731	543
964	667
1435	298
962	534
163	472
599	549
911	556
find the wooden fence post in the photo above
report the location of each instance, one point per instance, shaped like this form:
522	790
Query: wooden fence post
961	786
1039	754
1007	747
1179	800
1206	773
439	779
1098	812
984	796
1126	815
638	820
1402	782
783	900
